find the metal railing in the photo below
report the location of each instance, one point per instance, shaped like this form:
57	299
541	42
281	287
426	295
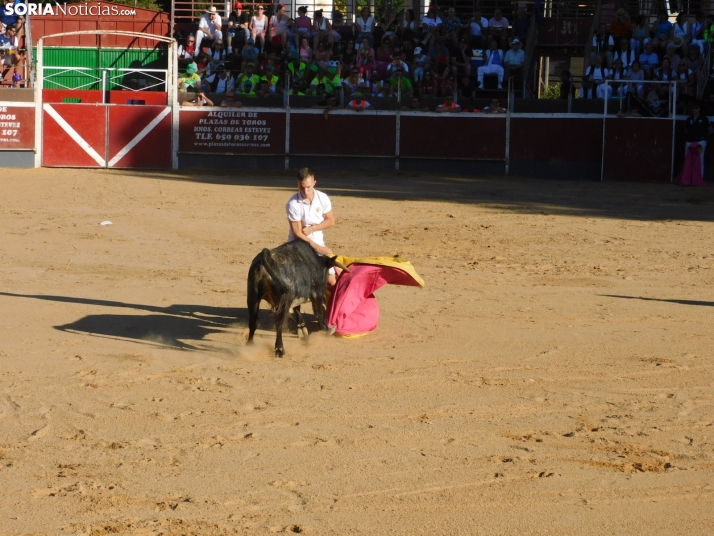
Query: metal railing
338	12
105	78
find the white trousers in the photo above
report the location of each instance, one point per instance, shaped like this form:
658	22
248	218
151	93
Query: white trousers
600	90
701	155
490	69
199	37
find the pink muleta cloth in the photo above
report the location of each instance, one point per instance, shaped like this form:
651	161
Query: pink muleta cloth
353	309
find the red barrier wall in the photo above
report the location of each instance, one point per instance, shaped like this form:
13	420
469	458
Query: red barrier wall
467	136
130	146
574	140
638	149
354	134
61	148
88	96
17	127
120	96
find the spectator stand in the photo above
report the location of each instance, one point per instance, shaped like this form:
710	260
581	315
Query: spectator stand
106	117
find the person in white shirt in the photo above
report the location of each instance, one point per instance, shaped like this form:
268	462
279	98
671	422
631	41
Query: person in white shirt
309	213
494	64
478	28
498	28
364	26
432	24
515	57
598	74
209	26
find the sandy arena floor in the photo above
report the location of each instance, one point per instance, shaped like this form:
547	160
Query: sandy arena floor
555	375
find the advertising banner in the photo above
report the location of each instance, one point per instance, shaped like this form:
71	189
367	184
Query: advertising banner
17	127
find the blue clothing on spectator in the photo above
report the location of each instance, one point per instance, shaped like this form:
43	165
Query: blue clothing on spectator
9	19
662	31
648	60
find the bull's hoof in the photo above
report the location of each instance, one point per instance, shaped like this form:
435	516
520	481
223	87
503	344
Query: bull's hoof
280	352
331	330
303	333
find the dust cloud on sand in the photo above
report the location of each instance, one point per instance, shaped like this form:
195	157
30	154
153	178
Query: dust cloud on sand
554	376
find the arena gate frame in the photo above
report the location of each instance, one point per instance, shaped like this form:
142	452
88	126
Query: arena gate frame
103	134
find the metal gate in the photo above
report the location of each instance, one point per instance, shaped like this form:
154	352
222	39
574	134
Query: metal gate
101	134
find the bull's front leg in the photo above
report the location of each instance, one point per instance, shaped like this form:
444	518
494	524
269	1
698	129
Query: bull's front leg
318	307
281	312
302	331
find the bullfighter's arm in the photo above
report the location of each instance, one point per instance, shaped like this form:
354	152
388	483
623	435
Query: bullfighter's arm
328	222
296	227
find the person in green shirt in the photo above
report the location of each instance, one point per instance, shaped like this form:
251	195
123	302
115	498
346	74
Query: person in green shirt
404	84
271	79
190	79
296	67
331	79
248	77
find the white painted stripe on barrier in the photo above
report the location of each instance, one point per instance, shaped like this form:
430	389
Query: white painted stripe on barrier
18	104
74	135
140	136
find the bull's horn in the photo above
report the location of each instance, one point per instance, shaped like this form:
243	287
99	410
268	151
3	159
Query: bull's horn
340	265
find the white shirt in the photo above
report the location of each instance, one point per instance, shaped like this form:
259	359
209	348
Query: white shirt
365	26
428	21
503	23
299	209
476	29
208	25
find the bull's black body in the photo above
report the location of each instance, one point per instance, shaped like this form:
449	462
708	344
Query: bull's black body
286	277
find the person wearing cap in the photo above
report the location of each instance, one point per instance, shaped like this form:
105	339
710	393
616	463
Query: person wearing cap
494	64
296	67
218	82
418	64
230	101
697	130
431	25
461	61
238	25
331	79
270	78
190	79
358	104
448	106
279	26
452	27
498	28
478	29
364	27
249	53
248	77
258	28
514	59
209	26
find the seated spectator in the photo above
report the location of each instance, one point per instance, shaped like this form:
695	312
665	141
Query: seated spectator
461	60
216	56
202	62
358	104
305	51
514	60
466	90
317	90
348	57
259	27
402	84
428	87
199	100
298	89
521	26
329	78
598	74
680	31
626	53
190	79
329	103
415	106
452	27
297	68
9	46
366	59
352	81
247	78
684	85
494	108
209	26
693	60
364	28
238	26
431	25
263	89
649	61
15	20
664	73
230	101
407	30
617	75
270	79
637	77
448	106
418	64
187	51
478	29
323	55
640	35
587	89
373	86
249	53
247	88
437	54
398	62
448	86
387	90
661	30
323	31
303	26
672	55
279	26
388	24
567	88
219	82
498	29
494	64
384	57
696	32
603	44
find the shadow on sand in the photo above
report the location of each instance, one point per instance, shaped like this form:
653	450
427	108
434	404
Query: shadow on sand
681	302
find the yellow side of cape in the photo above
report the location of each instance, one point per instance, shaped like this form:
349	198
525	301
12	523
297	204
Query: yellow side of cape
393	262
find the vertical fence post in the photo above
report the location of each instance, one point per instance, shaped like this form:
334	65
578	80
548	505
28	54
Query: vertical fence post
508	124
172	94
398	125
286	102
38	103
674	127
604	120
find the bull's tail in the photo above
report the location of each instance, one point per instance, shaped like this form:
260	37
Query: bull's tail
267	262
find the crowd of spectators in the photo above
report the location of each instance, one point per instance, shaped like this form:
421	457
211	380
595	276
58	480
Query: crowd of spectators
632	54
443	56
12	31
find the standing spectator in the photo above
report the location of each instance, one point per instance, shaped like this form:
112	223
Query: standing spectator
649	60
498	28
302	26
238	25
279	26
258	28
418	64
478	29
437	54
514	60
365	58
448	106
431	25
697	130
626	53
452	27
364	27
209	26
603	44
567	88
322	29
461	61
494	64
661	30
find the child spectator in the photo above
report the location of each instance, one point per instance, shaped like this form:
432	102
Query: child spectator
305	51
418	64
190	79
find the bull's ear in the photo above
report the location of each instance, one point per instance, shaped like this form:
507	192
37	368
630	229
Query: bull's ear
333	262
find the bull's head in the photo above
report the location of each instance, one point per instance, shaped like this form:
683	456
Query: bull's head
332	261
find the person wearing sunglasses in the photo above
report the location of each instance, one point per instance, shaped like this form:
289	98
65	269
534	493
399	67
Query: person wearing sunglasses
209	27
238	26
448	106
9	45
258	27
186	51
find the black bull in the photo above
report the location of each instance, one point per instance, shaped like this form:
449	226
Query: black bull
286	277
